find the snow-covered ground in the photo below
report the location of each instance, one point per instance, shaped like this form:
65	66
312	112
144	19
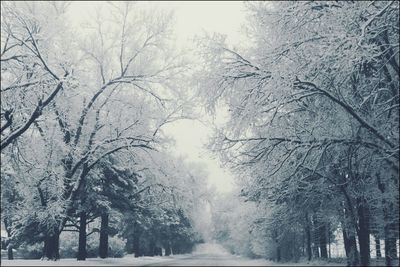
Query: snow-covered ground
127	260
203	255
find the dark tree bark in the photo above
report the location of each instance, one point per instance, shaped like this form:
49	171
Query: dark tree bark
10	254
315	236
157	251
168	249
278	253
350	247
346	242
52	247
152	248
129	243
103	247
9	244
136	240
390	244
390	228
378	248
278	248
82	236
329	241
363	233
322	241
315	250
136	247
308	238
7	140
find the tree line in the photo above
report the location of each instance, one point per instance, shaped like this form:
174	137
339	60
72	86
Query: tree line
313	128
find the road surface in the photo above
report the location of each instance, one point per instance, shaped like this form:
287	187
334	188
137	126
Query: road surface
209	260
209	255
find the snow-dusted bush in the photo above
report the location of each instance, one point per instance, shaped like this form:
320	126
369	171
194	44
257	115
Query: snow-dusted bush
116	246
69	245
33	251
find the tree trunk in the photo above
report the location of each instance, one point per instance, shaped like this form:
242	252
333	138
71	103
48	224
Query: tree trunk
278	248
390	241
52	246
322	241
278	253
390	251
378	248
103	247
136	247
129	243
167	249
82	237
10	253
390	227
308	238
315	251
329	241
350	247
136	240
315	235
152	248
363	234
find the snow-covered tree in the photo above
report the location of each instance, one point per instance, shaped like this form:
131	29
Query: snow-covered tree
315	99
81	127
36	66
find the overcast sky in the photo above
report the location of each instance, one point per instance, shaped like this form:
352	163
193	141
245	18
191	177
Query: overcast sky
192	18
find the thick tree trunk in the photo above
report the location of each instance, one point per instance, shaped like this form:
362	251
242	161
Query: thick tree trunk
136	240
378	248
10	253
9	244
363	234
278	253
51	247
390	244
350	246
329	241
278	247
103	247
315	250
152	248
167	249
308	239
82	237
349	231
315	235
129	243
390	228
158	251
136	247
322	241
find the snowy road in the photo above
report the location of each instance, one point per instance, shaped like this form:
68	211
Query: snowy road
210	260
210	255
203	255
